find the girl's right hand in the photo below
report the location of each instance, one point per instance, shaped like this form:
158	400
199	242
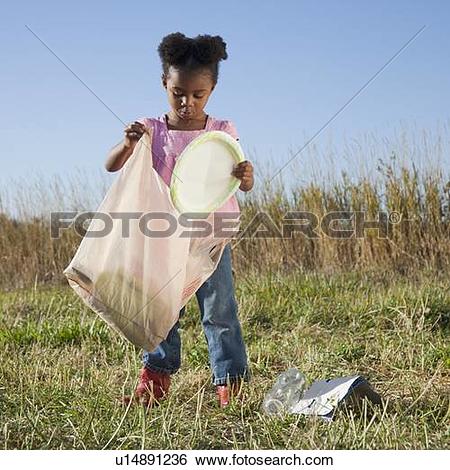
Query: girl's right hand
133	132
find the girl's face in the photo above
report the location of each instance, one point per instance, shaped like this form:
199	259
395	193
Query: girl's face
188	92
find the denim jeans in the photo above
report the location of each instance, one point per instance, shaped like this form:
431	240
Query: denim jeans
219	317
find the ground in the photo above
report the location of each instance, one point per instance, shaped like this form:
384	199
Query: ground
62	369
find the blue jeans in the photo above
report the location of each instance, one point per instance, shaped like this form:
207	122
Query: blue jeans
219	317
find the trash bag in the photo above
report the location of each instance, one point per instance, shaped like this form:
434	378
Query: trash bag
132	267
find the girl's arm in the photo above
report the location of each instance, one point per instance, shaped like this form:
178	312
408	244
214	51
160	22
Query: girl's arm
244	171
117	157
120	153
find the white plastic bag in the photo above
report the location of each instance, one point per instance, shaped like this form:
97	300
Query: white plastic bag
139	283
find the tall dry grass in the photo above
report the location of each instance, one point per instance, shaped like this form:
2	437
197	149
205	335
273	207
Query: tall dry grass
407	174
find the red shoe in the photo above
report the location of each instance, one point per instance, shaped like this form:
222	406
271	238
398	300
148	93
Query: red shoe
151	389
225	393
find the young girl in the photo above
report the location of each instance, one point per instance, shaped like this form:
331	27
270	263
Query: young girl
190	73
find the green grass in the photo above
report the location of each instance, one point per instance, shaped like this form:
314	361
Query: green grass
62	368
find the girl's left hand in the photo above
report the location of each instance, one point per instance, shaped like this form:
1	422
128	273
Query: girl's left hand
244	172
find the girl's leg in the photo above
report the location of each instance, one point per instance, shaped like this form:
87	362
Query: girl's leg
159	364
166	357
219	316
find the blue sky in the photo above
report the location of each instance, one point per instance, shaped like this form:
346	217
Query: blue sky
291	66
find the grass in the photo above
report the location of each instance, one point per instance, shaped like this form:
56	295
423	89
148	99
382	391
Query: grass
407	176
62	369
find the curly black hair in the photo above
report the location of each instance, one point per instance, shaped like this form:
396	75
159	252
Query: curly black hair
192	54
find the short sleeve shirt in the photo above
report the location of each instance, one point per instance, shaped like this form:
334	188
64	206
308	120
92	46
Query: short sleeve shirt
168	144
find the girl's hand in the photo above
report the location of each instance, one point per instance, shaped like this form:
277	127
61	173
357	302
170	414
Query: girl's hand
133	132
244	172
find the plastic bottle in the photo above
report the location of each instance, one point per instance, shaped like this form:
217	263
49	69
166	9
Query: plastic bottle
285	394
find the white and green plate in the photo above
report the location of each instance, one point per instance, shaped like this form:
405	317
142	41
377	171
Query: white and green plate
201	179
